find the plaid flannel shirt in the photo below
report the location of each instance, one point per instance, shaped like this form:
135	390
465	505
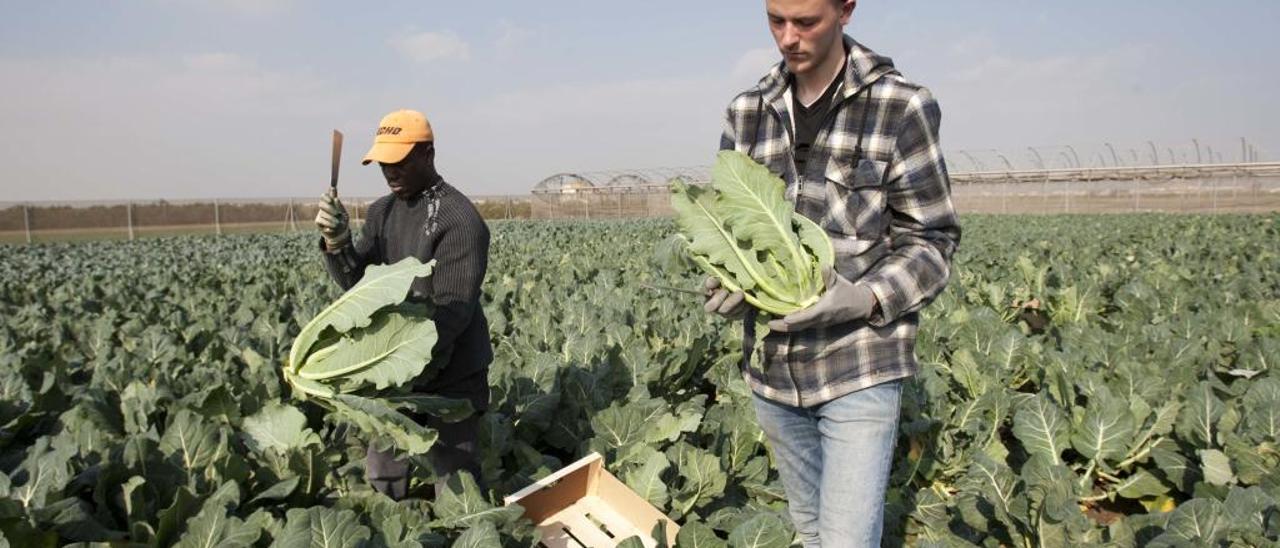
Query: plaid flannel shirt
876	181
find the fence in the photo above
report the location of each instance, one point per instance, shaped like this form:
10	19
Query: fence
1208	195
32	222
1210	188
647	201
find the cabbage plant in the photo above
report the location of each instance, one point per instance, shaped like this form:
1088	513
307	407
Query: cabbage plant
742	230
357	357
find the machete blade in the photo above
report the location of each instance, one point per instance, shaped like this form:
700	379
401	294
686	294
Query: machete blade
337	157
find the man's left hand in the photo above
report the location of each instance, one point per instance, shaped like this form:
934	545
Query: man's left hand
843	301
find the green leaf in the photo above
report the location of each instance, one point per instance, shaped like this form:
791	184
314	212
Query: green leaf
133	496
1042	428
194	441
481	535
263	521
1105	431
1161	423
218	402
372	340
1199	418
42	474
761	531
319	527
212	527
633	541
394	524
1197	521
665	427
1216	467
1141	484
1174	466
1039	470
278	428
447	409
619	426
380	419
1166	416
174	518
719	254
698	535
1246	510
737	436
71	518
646	480
463	505
1051	487
994	482
659	534
743	231
138	401
931	508
970	374
756	210
1262	410
279	491
702	479
381	286
1251	462
968	415
390	351
725	519
815	240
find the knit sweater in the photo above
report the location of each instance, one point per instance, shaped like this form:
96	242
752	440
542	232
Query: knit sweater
440	224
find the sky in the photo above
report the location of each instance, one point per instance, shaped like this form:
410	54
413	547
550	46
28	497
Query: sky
189	99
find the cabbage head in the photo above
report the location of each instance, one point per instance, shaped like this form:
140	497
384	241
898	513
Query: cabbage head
742	230
358	357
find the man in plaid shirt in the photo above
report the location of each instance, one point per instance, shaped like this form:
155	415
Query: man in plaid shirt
857	145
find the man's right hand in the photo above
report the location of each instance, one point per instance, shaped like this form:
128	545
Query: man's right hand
332	221
730	304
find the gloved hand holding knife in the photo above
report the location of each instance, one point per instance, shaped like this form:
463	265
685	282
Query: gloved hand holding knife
332	219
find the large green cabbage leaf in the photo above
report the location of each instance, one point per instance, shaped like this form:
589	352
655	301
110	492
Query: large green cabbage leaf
381	286
743	231
390	351
355	356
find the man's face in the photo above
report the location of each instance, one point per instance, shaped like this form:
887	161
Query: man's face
410	176
807	31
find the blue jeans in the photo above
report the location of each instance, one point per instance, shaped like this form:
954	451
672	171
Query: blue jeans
834	461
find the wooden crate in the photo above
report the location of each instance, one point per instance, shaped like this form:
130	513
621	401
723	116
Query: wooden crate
584	506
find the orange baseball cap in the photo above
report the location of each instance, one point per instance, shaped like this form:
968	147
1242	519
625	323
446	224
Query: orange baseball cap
397	133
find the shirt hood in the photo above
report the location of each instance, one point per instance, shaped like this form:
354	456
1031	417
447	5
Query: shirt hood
863	68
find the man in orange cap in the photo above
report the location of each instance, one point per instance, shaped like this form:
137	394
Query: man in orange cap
426	218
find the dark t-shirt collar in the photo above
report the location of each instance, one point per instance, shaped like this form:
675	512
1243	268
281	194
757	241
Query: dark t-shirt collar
827	94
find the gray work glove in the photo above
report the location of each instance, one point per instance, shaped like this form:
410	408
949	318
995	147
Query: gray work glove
730	304
333	222
843	301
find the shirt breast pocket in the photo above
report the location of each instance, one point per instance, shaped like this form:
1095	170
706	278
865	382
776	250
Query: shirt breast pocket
855	199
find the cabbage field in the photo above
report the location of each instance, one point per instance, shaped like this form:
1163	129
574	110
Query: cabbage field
1085	380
